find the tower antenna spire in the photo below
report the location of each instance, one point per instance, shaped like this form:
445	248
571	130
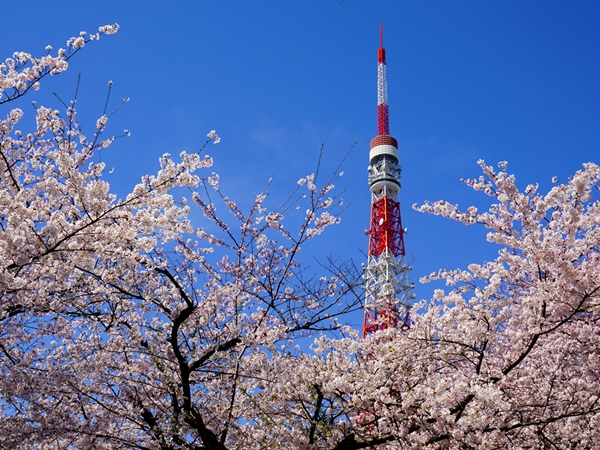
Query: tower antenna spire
383	120
387	288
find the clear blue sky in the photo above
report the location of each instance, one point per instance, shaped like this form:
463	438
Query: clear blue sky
503	80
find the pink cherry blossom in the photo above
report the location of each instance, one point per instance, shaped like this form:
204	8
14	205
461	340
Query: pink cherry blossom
126	324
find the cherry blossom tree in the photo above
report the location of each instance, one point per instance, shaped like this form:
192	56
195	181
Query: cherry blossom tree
122	324
508	358
126	325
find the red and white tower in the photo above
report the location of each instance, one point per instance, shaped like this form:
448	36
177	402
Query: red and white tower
387	289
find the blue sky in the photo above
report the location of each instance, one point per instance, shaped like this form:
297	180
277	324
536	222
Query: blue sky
510	80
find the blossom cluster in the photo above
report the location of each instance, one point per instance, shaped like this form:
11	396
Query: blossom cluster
24	71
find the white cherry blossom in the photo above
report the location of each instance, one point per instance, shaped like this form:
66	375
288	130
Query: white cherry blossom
132	322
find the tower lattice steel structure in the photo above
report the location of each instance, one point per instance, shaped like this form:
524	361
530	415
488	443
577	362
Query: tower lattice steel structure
386	284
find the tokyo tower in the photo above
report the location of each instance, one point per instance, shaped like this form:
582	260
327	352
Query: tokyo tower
387	289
